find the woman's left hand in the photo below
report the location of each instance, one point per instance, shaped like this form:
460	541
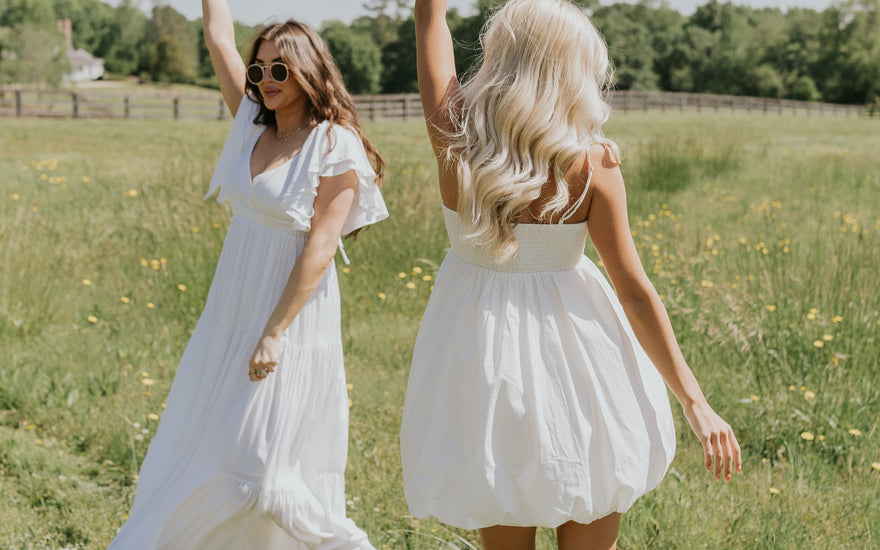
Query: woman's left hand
719	443
265	358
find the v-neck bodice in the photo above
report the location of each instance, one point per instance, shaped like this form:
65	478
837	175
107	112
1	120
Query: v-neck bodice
285	194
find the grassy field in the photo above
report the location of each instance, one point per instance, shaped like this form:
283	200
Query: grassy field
762	235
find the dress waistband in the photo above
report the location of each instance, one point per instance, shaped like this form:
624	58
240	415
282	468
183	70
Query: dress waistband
259	218
542	247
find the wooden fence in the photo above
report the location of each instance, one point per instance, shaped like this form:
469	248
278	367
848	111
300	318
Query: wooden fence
109	104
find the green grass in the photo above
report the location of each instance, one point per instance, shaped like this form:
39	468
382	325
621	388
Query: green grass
761	233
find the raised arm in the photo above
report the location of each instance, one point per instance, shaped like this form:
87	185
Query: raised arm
436	66
220	39
610	233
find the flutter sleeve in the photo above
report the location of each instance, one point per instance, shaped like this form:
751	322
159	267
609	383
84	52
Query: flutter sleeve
242	132
335	153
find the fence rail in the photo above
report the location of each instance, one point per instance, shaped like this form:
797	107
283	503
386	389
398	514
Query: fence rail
79	104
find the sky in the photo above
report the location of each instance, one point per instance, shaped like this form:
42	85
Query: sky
313	12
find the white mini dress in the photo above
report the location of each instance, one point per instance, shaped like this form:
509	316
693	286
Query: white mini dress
530	402
241	465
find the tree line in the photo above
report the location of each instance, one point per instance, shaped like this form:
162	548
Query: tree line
830	55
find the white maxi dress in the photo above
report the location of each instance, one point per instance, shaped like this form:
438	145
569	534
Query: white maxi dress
241	465
529	402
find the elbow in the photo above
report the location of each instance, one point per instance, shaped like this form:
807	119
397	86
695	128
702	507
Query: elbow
321	252
637	297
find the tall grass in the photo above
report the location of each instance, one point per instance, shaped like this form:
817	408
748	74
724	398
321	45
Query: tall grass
761	233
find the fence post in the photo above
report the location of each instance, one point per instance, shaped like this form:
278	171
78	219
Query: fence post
75	97
372	108
405	111
126	107
221	114
18	105
176	108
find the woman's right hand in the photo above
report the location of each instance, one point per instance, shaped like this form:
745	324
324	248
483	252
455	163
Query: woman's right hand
719	442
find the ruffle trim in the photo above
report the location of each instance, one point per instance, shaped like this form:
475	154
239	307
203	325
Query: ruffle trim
300	512
334	156
321	155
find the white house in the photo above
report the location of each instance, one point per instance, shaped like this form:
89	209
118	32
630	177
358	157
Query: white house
83	65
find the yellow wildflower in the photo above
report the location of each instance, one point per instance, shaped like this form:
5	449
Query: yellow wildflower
837	319
402	275
876	466
16	196
774	491
181	287
770	307
382	295
855	432
417	270
809	395
410	285
819	344
92	319
148	381
427	278
86	282
125	299
346	269
153	416
754	398
150	305
828	337
706	284
808	436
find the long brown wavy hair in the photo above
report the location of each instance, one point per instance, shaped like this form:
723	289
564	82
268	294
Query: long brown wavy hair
316	72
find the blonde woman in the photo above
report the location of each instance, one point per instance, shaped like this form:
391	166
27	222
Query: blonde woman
250	452
536	395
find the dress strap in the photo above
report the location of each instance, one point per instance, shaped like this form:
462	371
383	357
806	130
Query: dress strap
574	208
342	251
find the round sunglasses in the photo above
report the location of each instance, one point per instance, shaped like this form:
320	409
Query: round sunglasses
277	71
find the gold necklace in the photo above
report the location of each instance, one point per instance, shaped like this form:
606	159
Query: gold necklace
288	135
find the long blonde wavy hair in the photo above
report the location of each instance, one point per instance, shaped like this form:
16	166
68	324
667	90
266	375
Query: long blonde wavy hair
534	105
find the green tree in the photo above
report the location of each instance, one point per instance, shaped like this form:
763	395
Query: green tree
357	55
19	12
170	51
626	32
32	53
120	43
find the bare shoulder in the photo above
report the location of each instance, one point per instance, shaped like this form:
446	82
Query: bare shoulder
607	191
605	164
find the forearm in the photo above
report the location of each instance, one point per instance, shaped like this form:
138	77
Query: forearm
218	25
304	280
427	10
650	322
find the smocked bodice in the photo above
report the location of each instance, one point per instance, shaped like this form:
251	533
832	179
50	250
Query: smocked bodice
542	247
